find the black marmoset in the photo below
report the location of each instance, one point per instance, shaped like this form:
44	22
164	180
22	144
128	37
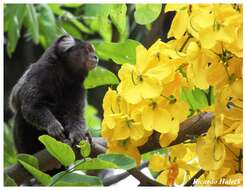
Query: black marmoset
49	97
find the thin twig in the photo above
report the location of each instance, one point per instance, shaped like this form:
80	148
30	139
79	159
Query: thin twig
143	179
196	176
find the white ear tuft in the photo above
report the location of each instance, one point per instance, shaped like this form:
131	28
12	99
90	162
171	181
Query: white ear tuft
66	43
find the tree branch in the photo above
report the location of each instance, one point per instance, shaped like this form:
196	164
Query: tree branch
143	179
196	125
46	163
196	176
116	178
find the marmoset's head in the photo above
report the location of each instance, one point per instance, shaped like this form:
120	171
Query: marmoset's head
76	53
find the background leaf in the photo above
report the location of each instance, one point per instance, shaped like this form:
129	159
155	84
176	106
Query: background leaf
120	53
41	177
32	22
100	76
13	19
9	149
146	156
92	121
8	181
61	151
196	98
95	164
99	22
119	19
121	160
29	159
30	163
147	13
47	22
76	179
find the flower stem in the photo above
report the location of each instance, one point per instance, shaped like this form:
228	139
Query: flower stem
184	44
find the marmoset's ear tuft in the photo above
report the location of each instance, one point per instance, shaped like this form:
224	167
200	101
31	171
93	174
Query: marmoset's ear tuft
64	43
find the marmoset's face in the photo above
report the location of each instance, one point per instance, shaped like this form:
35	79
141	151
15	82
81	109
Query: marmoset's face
82	56
77	54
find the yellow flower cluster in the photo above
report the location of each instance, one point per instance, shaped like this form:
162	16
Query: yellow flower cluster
206	52
146	100
177	167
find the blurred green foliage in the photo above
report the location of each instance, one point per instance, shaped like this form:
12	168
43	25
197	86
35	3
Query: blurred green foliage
9	148
92	121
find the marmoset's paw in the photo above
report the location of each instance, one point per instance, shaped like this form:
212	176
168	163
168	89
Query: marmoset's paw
56	130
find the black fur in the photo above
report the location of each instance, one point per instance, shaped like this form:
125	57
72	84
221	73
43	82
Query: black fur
49	97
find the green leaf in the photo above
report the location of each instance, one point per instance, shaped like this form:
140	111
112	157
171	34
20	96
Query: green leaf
92	121
70	17
100	76
73	5
200	98
61	151
76	23
147	13
41	177
120	53
121	160
118	16
85	148
13	19
29	159
13	35
99	21
97	9
70	29
30	163
56	9
9	149
105	28
196	98
146	156
47	24
75	179
95	164
8	181
32	22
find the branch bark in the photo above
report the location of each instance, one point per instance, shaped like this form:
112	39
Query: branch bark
196	125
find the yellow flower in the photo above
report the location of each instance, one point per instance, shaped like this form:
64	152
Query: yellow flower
229	100
135	86
173	169
179	24
156	117
125	147
118	115
158	163
179	111
211	150
198	60
144	80
207	51
209	23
